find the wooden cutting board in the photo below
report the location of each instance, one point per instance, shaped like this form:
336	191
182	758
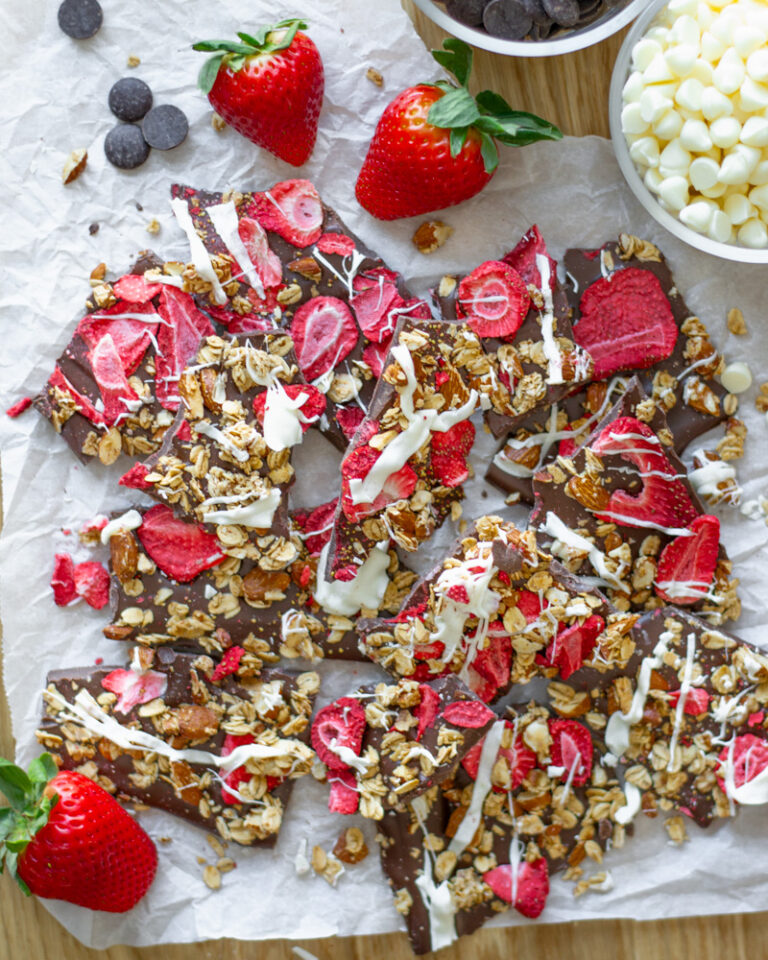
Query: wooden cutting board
572	91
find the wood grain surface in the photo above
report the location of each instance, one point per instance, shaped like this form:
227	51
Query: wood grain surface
572	92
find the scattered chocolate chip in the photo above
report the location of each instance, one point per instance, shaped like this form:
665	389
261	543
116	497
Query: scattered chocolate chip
139	206
165	127
564	12
129	99
466	11
125	146
507	18
80	19
93	229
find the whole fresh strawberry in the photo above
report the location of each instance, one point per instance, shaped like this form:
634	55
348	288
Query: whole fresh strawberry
269	87
64	837
436	144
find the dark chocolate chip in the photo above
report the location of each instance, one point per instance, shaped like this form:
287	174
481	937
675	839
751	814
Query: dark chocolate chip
139	206
537	13
93	229
125	146
564	12
130	98
466	11
80	19
165	127
507	19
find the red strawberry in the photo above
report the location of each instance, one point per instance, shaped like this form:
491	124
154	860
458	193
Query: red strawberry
696	701
356	465
63	580
749	755
340	724
530	605
427	709
92	584
82	403
268	87
349	419
110	375
178	339
523	258
573	646
133	688
240	774
324	332
493	664
134	478
181	550
375	355
135	289
567	447
626	322
687	564
65	838
131	336
664	502
532	885
319	523
344	796
449	452
470	714
311	409
571	749
16	409
520	760
378	305
228	664
494	299
293	209
338	243
264	259
435	145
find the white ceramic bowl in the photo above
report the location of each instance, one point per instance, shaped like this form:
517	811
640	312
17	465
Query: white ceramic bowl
621	70
624	13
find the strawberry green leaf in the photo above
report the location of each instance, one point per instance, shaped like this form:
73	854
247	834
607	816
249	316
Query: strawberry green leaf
455	109
208	72
224	46
14	784
42	769
489	152
293	26
456	58
458	139
493	103
517	128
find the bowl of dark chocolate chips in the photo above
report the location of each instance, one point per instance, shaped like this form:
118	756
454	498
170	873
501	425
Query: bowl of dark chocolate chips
532	28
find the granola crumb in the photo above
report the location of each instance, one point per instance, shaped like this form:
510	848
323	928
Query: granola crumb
431	235
351	846
212	877
74	166
133	61
374	76
736	322
675	827
218	123
153	226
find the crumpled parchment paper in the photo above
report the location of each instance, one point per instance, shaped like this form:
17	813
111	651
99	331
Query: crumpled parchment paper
54	94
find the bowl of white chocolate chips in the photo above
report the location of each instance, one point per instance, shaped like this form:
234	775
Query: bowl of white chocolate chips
689	122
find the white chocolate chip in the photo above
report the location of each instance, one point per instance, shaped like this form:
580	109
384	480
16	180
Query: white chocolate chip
633	87
711	48
715	104
719	227
681	58
725	131
754	132
674	159
714	192
747	38
653	179
737	164
645	151
703	172
689	95
643	53
738	209
737	377
697	215
632	119
757	65
669	126
759	196
674	192
730	72
753	95
694	136
685	31
753	233
759	175
703	72
657	70
653	105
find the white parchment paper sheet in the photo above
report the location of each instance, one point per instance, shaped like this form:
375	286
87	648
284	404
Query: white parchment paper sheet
54	93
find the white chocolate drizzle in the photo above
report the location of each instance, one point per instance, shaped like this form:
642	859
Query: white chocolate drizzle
200	259
128	521
223	216
345	597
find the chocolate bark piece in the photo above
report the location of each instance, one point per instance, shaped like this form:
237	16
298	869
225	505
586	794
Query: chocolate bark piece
683	717
404	468
328	262
540	363
522	813
157	734
236	608
683	386
498	611
113	389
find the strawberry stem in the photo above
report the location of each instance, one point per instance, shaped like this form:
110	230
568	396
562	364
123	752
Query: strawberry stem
488	113
234	55
28	811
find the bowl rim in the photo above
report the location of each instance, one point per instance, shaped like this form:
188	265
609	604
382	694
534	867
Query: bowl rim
621	70
568	43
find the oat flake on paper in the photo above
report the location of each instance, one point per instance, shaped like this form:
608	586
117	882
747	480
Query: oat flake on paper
54	93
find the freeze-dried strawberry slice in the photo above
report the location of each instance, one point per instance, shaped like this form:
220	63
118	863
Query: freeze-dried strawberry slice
664	500
530	605
457	441
356	465
338	243
426	711
324	333
567	446
181	550
523	258
247	322
449	471
264	259
468	713
19	407
135	288
311	409
239	775
519	760
349	419
122	321
494	299
344	796
532	888
63	579
178	339
292	209
133	688
113	383
92	583
378	305
316	525
572	750
626	322
696	700
458	593
228	664
749	755
687	564
492	664
82	403
573	645
375	355
134	478
338	727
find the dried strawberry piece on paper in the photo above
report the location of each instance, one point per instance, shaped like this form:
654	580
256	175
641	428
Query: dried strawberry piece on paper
182	550
92	583
63	580
16	409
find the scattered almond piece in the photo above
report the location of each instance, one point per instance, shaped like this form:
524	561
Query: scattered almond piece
374	76
153	226
218	123
351	846
761	400
212	878
99	272
736	322
225	864
326	865
132	61
431	235
75	165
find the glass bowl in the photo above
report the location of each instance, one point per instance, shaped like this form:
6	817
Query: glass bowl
621	70
623	13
